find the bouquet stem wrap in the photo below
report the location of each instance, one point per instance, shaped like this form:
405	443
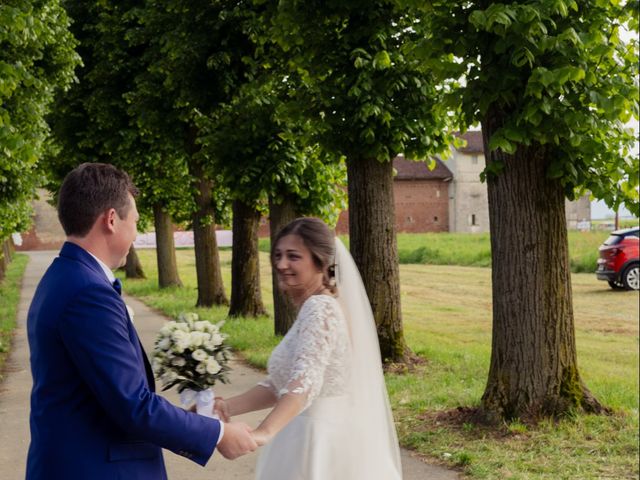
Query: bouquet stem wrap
204	400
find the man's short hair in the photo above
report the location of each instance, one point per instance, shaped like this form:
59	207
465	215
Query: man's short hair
88	191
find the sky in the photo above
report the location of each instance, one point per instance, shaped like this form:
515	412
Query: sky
599	210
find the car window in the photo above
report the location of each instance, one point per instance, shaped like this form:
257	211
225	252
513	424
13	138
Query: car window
635	233
613	240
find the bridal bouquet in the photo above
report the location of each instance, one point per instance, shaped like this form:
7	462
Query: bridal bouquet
191	354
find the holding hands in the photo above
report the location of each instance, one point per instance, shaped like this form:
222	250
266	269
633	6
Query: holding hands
237	440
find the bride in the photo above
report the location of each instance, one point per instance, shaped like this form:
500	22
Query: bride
330	416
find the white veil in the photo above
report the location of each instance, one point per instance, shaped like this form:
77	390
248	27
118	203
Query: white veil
378	456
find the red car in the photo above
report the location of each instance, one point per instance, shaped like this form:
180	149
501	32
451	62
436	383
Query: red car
618	263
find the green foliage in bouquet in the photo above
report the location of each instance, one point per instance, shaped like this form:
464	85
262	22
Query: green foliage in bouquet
190	353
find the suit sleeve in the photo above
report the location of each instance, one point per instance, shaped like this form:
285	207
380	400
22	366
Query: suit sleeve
95	332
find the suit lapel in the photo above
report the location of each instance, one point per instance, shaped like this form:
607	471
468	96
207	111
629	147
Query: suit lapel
135	340
75	252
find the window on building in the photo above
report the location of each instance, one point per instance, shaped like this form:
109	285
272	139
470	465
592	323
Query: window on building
472	220
409	219
438	193
435	219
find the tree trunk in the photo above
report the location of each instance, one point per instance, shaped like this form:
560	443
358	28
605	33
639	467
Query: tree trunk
374	247
246	298
533	369
210	287
165	249
284	311
11	247
7	250
3	262
133	267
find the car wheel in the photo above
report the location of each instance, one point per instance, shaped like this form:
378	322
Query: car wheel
631	277
615	285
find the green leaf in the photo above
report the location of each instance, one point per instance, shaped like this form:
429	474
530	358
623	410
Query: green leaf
382	60
499	141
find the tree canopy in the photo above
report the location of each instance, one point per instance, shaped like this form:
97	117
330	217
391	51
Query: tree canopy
563	75
37	59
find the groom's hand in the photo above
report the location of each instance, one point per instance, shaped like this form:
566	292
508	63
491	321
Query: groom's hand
237	440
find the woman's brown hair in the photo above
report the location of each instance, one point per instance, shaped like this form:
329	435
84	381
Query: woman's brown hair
320	241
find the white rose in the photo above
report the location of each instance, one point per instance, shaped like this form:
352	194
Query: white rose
178	362
181	345
201	325
211	328
167	328
199	355
182	327
216	339
201	368
213	367
177	335
195	339
180	341
164	344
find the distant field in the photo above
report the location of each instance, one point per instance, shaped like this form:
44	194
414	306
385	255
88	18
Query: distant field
474	250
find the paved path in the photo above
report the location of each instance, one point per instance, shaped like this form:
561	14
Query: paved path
14	401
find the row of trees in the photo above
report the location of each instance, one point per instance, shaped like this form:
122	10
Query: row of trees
37	58
239	108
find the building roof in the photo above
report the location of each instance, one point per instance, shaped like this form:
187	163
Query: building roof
474	143
418	170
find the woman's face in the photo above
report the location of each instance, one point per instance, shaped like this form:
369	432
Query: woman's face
294	265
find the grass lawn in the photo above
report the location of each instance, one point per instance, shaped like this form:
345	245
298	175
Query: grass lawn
9	299
475	250
447	319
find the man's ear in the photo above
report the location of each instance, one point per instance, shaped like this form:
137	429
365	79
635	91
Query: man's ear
109	219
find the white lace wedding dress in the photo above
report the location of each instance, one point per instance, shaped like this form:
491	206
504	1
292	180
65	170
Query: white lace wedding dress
328	439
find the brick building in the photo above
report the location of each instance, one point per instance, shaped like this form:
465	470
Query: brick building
421	197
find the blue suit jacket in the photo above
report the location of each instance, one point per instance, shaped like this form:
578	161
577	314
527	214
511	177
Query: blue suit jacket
94	413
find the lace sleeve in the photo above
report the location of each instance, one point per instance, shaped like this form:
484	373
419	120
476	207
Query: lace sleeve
268	383
314	347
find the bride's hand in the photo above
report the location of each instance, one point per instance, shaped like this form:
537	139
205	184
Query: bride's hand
261	437
221	408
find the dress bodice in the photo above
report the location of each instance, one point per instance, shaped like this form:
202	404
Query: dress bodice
313	357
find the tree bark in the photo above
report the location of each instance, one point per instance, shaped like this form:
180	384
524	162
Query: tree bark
533	370
246	298
165	249
210	286
7	251
284	311
133	267
4	262
11	248
374	247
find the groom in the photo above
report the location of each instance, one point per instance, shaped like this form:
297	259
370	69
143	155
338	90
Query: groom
94	411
